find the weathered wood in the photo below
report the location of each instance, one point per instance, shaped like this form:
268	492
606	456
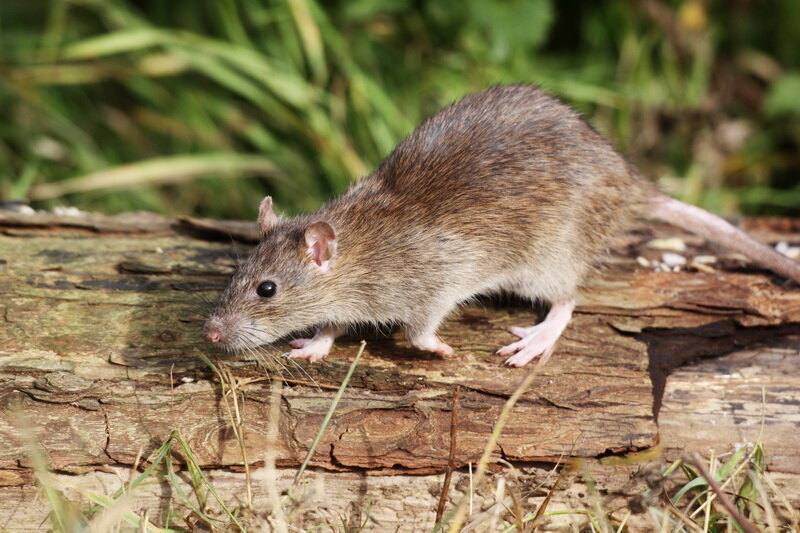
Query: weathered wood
749	396
100	340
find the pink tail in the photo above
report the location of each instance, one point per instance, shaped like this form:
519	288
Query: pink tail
714	228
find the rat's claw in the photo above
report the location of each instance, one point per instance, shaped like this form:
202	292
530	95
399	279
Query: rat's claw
540	342
512	348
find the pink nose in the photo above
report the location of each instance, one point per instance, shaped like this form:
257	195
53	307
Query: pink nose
214	335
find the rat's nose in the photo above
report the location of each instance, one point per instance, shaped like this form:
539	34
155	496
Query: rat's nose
213	333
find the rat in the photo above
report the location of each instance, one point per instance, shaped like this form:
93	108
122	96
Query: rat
505	191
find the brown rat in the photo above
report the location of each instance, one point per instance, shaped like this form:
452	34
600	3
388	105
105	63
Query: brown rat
504	191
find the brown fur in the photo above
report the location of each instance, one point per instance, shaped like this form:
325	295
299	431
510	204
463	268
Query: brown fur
507	190
504	190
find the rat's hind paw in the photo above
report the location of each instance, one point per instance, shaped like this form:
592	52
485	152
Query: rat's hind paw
527	354
538	343
299	343
524	332
538	340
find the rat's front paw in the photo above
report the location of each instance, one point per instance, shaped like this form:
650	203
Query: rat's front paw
311	353
311	349
433	344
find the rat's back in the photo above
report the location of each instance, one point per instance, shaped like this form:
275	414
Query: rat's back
515	172
511	150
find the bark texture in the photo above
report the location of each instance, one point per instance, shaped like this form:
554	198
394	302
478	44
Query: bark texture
100	342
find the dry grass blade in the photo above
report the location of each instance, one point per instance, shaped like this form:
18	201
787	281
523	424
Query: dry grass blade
201	481
731	509
685	520
106	513
792	512
483	463
237	422
516	510
63	516
116	511
329	415
499	506
451	458
230	386
540	512
769	512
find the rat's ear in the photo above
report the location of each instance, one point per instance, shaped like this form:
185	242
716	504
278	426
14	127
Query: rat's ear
320	243
266	216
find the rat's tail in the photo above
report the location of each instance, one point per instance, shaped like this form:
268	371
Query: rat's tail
714	228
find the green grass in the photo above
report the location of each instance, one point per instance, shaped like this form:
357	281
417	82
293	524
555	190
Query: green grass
115	105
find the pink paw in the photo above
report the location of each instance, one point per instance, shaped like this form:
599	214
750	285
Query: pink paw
298	343
528	354
537	342
434	344
310	352
311	349
523	332
443	349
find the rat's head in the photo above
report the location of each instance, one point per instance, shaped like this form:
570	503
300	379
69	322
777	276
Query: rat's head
283	286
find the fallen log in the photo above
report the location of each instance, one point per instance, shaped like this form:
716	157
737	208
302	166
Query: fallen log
100	356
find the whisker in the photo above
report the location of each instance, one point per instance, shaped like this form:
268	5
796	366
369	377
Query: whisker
302	369
277	361
268	361
252	352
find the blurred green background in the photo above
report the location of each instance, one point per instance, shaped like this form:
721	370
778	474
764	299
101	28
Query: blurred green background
200	107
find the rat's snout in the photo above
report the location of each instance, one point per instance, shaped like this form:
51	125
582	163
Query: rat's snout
213	330
232	331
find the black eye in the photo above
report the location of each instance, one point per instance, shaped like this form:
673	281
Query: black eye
266	289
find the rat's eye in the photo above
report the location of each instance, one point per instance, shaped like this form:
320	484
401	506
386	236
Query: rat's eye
266	289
